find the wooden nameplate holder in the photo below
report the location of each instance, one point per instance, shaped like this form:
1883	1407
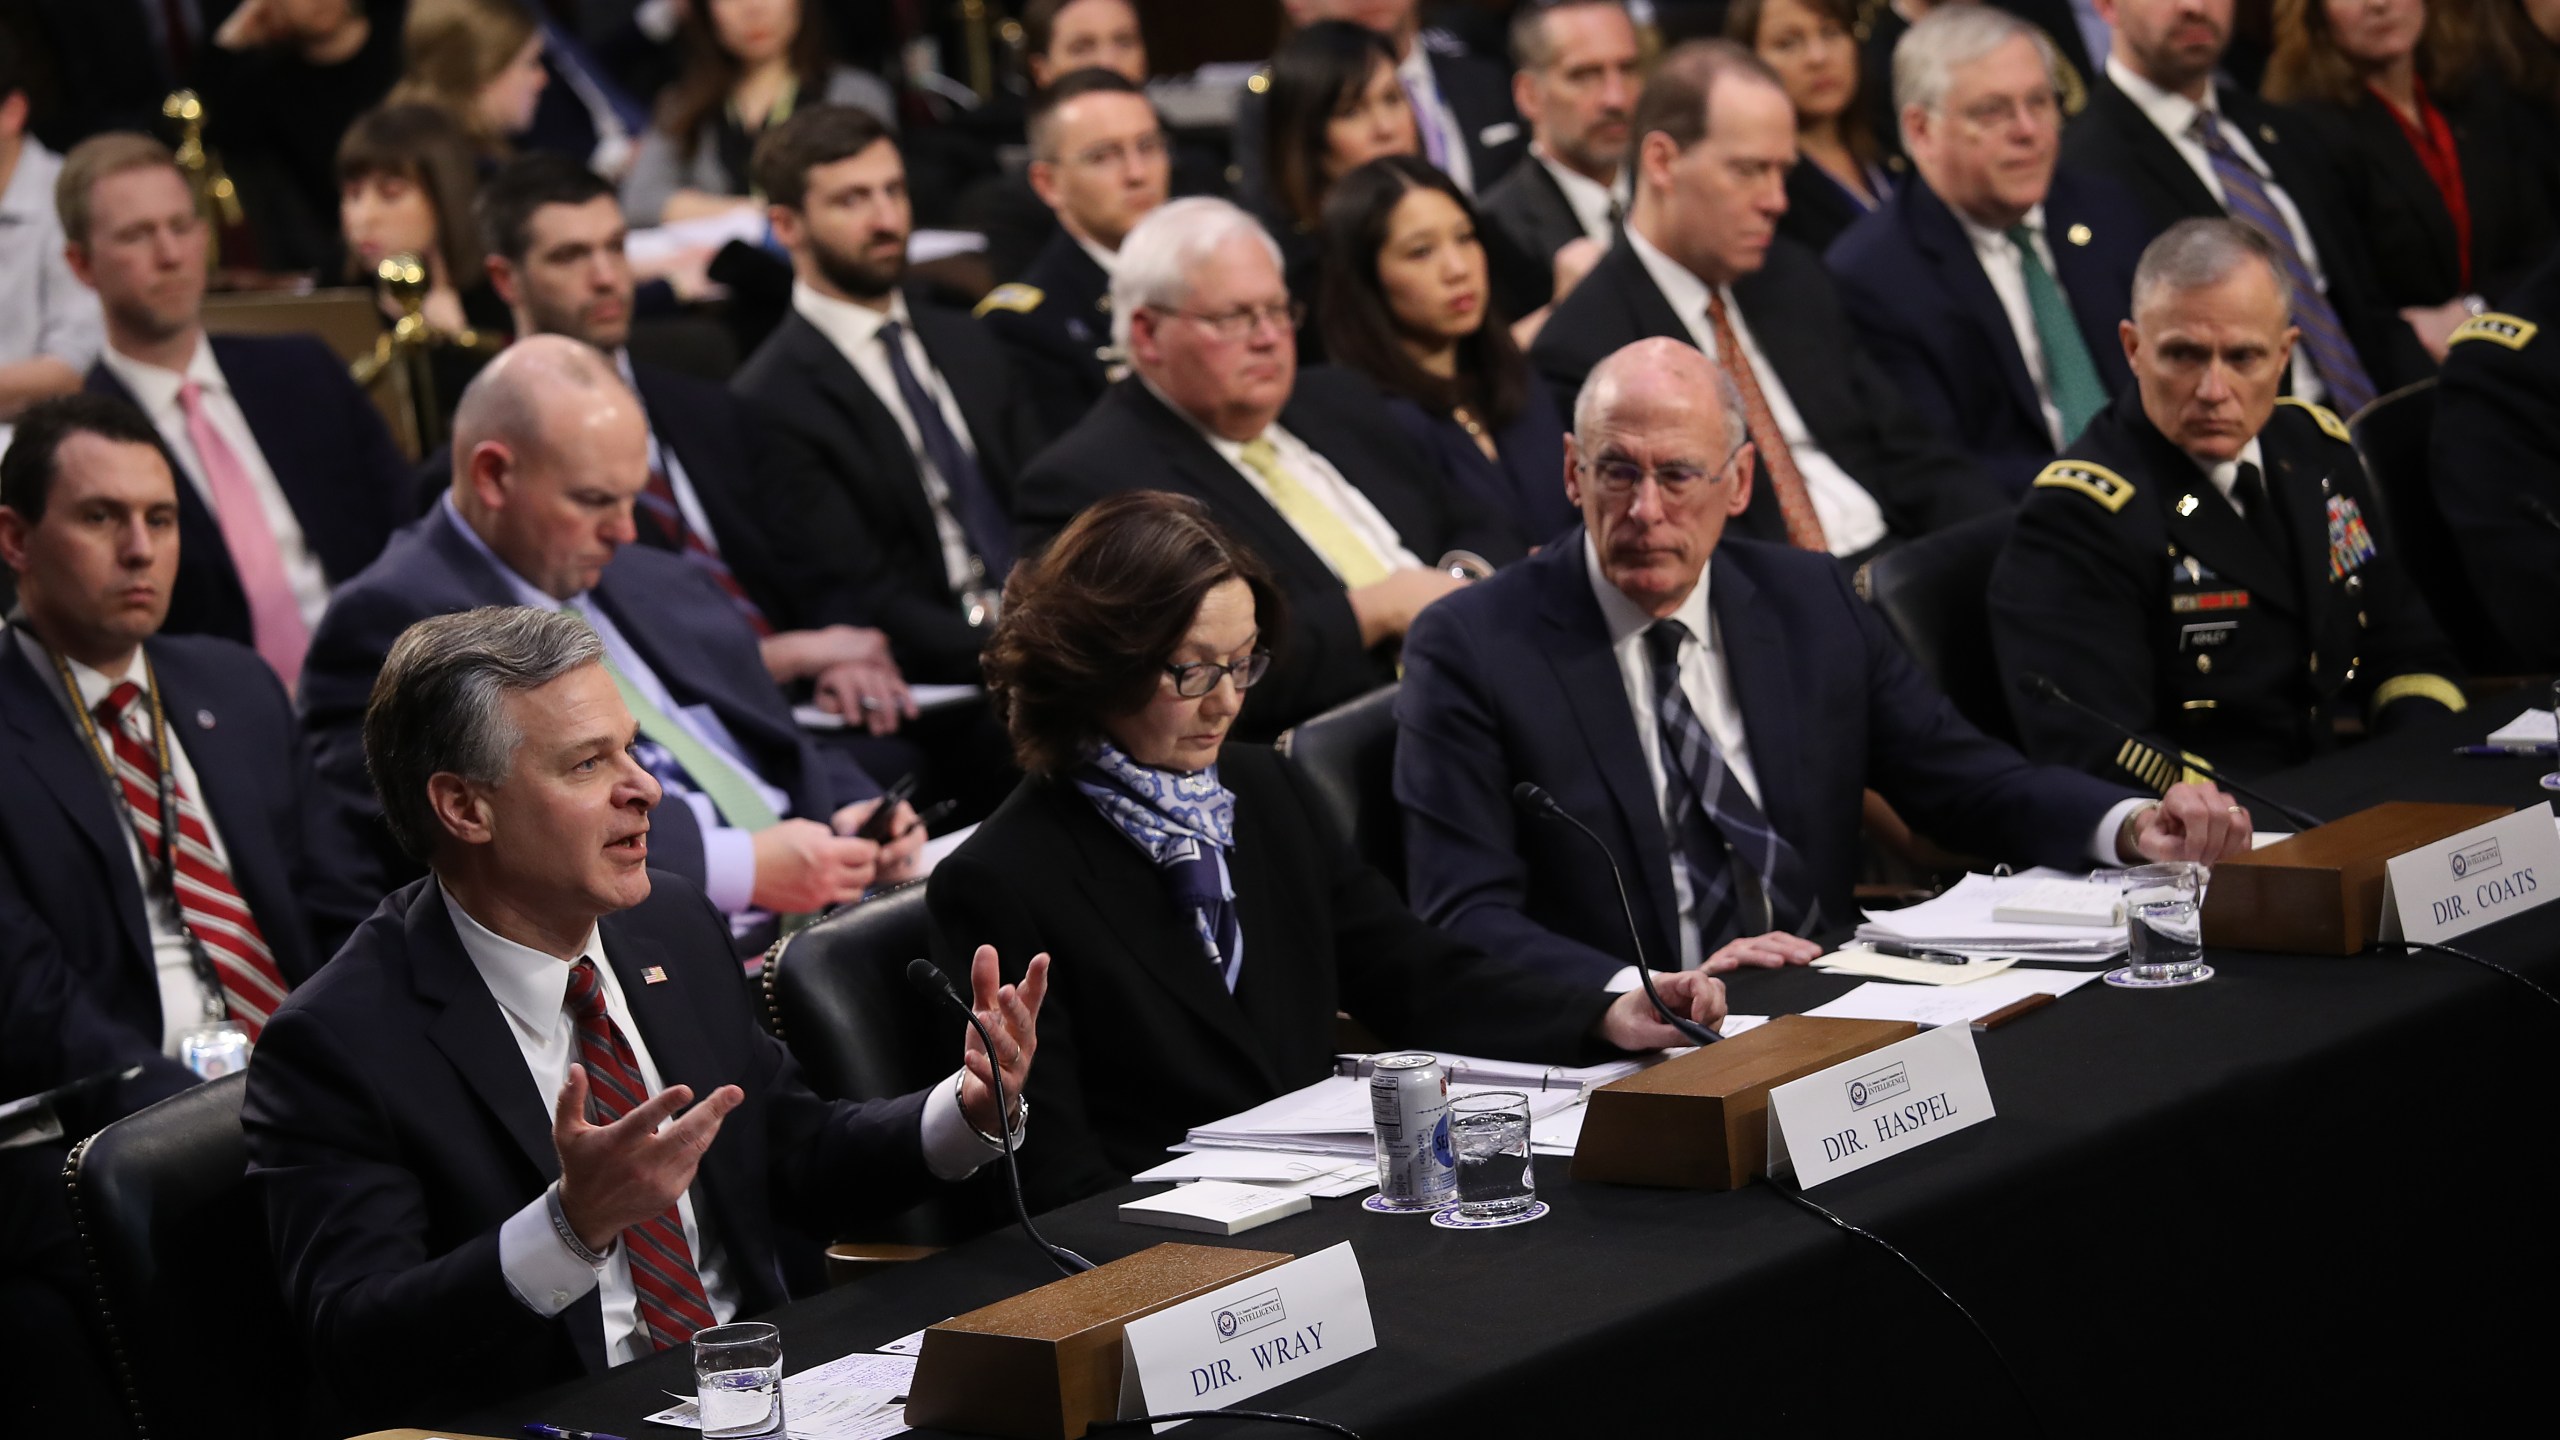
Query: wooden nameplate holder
1701	1122
1045	1364
2320	892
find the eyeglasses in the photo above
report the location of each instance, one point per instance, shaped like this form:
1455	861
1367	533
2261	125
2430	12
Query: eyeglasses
2000	111
1621	477
1245	322
1201	676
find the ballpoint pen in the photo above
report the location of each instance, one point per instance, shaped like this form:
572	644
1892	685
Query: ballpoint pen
541	1431
1901	951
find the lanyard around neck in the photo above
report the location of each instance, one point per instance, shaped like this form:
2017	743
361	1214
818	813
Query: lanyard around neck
102	749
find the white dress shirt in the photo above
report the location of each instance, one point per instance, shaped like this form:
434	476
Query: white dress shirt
2007	272
2225	476
1109	260
532	991
1851	519
663	460
183	999
49	311
728	853
855	332
157	389
1598	207
1422	89
2174	115
1319	477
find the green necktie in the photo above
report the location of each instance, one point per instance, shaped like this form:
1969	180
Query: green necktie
714	774
2069	373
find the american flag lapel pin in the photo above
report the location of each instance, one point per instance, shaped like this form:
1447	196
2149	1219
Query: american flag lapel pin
654	975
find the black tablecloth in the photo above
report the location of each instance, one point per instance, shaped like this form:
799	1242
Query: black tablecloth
2313	1189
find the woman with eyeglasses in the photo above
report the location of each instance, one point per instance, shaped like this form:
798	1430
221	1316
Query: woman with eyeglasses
1203	917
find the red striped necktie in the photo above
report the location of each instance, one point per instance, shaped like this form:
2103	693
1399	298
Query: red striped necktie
673	1304
209	905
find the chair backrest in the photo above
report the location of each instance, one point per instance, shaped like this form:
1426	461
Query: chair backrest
2394	435
1934	594
176	1242
346	319
1348	756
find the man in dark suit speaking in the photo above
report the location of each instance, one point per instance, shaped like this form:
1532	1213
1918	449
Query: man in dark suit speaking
1716	735
431	1237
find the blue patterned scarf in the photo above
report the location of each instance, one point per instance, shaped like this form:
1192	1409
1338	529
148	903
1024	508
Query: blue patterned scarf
1184	822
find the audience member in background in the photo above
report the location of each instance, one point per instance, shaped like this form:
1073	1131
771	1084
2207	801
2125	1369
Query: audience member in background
551	451
1850	466
282	82
1205	920
1334	106
749	65
2200	565
1060	38
2496	462
2190	147
2433	153
2523	40
903	410
480	60
395	1114
1098	160
1406	302
555	234
407	182
111	62
1990	287
1840	173
1580	68
1461	105
292	483
49	331
1718	735
1306	469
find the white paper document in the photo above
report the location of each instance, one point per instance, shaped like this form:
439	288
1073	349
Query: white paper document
1962	920
1516	1074
1910	972
2533	727
928	698
855	1397
1932	1006
1331	1117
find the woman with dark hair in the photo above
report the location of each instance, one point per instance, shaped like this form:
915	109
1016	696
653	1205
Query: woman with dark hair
1407	301
2430	150
1841	172
407	183
1204	921
1334	105
747	65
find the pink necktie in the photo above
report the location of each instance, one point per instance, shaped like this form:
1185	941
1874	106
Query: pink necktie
275	616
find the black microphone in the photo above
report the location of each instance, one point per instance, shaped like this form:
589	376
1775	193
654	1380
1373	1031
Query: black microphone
2542	514
1533	797
2036	684
928	981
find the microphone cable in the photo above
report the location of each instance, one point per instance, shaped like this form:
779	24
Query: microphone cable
1269	1417
2481	960
1795	1195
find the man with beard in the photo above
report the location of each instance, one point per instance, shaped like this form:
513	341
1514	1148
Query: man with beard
905	406
1580	70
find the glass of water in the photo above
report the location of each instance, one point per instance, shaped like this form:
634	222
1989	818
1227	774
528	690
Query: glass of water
1490	1131
2164	918
2552	780
737	1380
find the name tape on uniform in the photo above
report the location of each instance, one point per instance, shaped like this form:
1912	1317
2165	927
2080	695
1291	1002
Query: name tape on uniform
1240	1340
2483	875
1877	1105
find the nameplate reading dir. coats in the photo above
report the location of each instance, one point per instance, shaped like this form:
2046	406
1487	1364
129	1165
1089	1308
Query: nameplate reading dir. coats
2456	885
1238	1341
1877	1105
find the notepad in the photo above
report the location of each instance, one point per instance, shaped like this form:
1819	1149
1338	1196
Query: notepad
1214	1207
2061	902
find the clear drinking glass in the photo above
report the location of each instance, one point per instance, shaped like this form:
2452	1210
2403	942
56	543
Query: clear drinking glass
2164	918
1490	1131
2552	780
737	1380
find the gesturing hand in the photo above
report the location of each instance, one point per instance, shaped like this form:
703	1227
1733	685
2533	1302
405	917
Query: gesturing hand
1011	1014
617	1175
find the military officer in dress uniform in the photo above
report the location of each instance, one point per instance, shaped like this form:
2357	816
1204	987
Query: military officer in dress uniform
2496	462
2204	566
1099	161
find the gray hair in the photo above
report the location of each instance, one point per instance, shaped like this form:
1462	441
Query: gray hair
1587	402
1530	48
439	704
1156	258
1928	55
2193	254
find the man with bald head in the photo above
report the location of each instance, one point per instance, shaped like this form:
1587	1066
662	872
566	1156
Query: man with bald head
1713	707
550	451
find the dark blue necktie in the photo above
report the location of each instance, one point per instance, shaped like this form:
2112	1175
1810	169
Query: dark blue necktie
973	504
1717	826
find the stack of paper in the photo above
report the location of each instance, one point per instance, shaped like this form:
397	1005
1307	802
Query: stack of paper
854	1397
1319	1176
1517	1074
1928	1007
1961	920
2533	727
1330	1117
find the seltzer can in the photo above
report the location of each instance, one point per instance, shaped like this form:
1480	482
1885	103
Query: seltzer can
1409	1106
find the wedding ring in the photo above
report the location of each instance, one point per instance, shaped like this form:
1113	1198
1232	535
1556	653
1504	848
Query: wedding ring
2234	810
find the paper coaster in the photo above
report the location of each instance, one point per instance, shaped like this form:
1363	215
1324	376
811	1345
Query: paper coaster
1450	1219
2122	978
1381	1205
2551	781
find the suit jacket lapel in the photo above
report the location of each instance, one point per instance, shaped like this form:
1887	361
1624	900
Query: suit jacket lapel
2210	528
1938	234
226	782
472	1032
1763	682
2403	171
1649	311
2153	152
2298	495
1577	644
1230	495
835	378
67	768
936	331
681	667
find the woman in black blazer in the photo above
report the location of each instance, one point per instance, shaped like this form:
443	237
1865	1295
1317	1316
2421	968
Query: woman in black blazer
1203	921
1841	172
1408	302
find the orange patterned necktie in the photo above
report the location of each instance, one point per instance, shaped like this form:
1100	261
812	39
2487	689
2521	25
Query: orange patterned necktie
1804	528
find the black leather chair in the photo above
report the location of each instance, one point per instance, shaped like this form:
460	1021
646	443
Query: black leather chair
1348	756
176	1243
1932	593
2394	435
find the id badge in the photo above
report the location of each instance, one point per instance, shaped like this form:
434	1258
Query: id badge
214	1050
